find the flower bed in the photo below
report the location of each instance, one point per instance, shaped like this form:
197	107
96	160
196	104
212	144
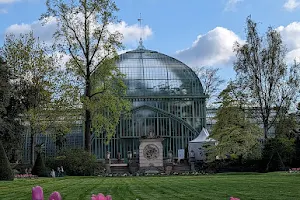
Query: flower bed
293	170
37	194
25	176
201	173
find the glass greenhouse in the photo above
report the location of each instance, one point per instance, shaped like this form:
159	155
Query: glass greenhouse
168	101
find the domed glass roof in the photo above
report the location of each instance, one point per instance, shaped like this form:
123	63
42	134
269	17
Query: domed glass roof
149	73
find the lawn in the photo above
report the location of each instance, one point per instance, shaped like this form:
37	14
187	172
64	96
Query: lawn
221	186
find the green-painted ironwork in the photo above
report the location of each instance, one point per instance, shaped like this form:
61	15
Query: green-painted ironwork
167	99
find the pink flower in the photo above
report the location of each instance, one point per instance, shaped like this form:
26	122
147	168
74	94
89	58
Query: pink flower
37	193
233	198
101	197
108	197
55	196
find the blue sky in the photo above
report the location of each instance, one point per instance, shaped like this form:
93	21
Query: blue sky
198	32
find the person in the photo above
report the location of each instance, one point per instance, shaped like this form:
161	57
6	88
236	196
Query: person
52	173
170	156
58	171
119	157
62	170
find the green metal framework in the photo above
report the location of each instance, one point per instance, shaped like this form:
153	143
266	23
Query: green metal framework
167	99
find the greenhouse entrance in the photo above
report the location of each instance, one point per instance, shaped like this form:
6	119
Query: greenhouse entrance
147	121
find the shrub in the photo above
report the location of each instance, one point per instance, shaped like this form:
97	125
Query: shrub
6	172
76	162
39	168
278	153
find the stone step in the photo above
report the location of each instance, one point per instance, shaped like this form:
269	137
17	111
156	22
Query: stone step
181	168
119	169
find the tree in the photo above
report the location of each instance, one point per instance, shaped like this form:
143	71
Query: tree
39	84
10	108
264	75
8	123
211	81
281	150
278	153
6	172
31	69
39	167
83	34
233	131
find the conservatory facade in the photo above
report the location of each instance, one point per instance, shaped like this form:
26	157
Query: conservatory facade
167	101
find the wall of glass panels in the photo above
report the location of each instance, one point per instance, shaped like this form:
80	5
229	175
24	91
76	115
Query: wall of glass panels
178	121
152	73
73	140
167	99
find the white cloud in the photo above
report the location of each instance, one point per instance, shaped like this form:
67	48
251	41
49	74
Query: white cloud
3	11
290	35
231	5
213	48
291	38
131	33
291	5
216	47
43	32
293	55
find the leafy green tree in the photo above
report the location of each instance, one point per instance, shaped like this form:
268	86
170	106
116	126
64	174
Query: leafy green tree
263	74
83	34
280	151
234	132
211	81
39	167
40	85
10	108
287	126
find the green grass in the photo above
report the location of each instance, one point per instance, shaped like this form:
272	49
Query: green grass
221	186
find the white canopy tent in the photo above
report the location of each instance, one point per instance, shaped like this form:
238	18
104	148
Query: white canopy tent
196	146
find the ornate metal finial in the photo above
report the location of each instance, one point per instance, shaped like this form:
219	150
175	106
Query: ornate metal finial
141	46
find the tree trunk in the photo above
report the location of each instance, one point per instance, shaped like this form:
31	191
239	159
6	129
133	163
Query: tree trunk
87	131
266	131
32	148
88	118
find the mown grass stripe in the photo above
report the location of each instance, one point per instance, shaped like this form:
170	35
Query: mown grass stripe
270	186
